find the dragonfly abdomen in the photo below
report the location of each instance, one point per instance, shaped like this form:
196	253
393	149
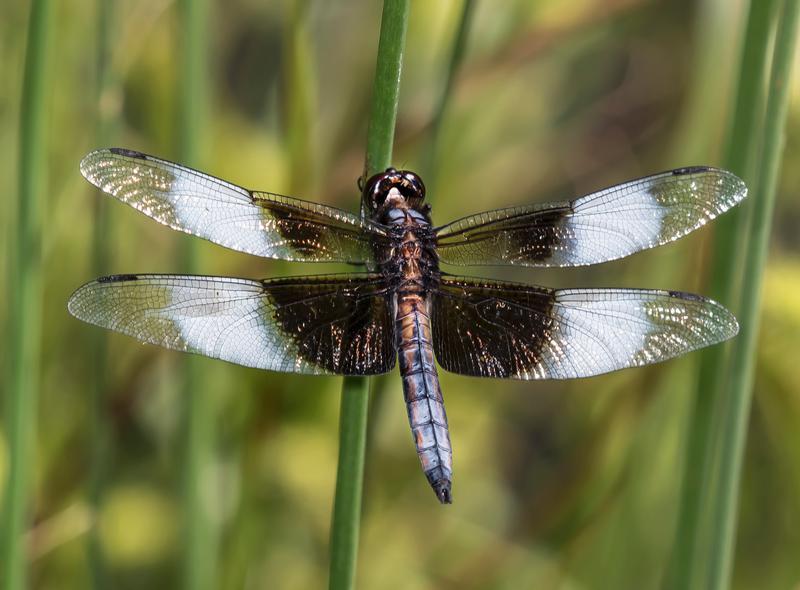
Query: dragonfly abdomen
423	395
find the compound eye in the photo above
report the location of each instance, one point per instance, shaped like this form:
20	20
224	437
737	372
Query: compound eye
415	184
377	187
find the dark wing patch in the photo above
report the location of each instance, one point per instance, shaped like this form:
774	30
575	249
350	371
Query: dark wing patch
511	330
264	224
602	226
338	325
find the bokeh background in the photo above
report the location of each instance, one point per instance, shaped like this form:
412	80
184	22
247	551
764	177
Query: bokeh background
557	484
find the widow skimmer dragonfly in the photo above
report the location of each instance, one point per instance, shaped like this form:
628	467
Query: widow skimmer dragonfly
403	308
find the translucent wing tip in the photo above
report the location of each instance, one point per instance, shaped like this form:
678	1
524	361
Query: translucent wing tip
729	325
71	304
99	157
75	303
724	323
730	190
82	304
734	186
731	187
89	162
741	187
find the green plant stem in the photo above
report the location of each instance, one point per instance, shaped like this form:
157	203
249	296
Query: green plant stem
193	106
743	358
24	294
349	479
199	548
100	439
698	492
355	390
386	90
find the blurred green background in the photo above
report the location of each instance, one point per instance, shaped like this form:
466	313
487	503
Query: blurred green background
557	484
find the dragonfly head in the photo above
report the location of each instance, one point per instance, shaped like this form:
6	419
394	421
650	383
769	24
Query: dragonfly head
394	185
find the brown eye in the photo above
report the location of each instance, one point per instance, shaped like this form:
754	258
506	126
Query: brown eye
416	186
377	187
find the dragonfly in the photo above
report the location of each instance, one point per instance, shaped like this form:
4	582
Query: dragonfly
402	308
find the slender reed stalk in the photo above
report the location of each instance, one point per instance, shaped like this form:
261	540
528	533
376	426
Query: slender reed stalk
199	548
743	357
698	491
349	480
24	295
386	89
355	390
100	439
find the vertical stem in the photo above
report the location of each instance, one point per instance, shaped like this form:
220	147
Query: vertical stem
386	89
349	480
698	492
106	103
199	557
25	300
194	79
355	390
743	359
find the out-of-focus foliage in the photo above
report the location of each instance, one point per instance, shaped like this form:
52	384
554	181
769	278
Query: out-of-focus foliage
557	484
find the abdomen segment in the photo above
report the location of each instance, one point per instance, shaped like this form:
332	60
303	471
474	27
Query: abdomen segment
422	393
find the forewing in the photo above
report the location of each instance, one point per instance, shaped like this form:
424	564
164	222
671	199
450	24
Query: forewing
338	325
516	331
602	226
264	224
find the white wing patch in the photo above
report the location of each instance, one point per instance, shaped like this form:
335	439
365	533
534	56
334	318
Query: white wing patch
600	330
625	223
234	222
230	324
642	214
